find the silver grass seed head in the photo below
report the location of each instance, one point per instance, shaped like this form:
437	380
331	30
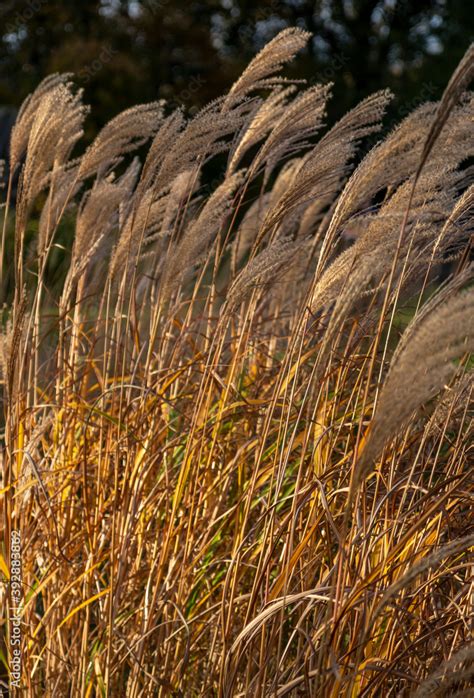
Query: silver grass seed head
270	60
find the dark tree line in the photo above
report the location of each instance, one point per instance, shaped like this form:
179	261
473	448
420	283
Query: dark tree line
124	52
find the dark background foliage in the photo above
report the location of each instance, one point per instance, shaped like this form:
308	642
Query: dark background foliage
124	52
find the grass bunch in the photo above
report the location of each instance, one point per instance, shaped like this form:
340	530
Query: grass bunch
237	407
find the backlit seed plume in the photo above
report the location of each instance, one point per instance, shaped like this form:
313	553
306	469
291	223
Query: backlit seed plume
450	409
266	116
126	132
361	272
402	147
299	122
207	134
443	336
262	269
55	129
63	187
262	69
200	234
248	229
144	217
151	220
177	201
459	81
373	251
97	219
20	133
459	667
162	143
251	223
147	230
435	222
321	170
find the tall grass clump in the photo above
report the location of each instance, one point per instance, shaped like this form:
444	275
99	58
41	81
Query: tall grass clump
237	405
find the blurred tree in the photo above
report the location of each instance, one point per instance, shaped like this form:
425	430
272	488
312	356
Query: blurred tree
128	51
45	36
361	45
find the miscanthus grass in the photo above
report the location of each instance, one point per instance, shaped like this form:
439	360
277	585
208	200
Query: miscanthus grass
237	401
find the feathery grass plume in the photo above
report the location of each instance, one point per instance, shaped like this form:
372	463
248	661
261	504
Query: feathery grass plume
361	121
290	288
178	200
6	336
300	121
316	169
248	228
402	148
55	128
326	164
150	219
11	340
20	133
64	185
32	453
100	207
260	73
148	231
316	212
450	672
439	191
262	269
445	334
461	78
373	251
459	81
265	118
431	305
458	228
285	180
339	290
124	133
97	218
252	221
207	134
145	217
450	408
163	141
200	234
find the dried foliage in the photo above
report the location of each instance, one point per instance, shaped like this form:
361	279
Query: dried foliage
237	413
